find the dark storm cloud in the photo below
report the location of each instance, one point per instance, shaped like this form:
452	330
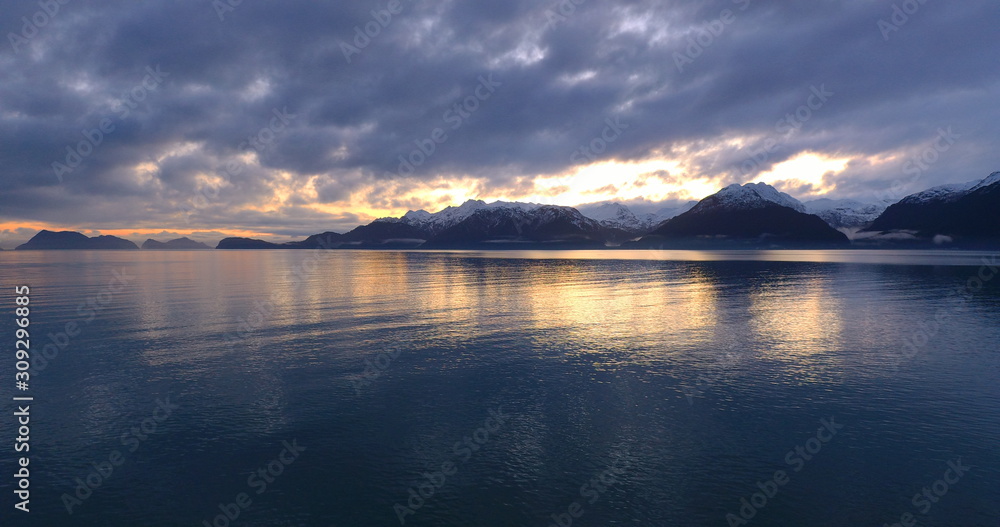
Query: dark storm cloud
558	73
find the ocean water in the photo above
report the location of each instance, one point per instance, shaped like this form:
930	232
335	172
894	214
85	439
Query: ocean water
343	388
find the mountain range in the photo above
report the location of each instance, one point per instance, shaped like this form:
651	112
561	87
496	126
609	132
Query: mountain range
953	213
750	215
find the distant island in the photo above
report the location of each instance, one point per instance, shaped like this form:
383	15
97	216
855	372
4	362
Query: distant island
753	216
180	244
69	240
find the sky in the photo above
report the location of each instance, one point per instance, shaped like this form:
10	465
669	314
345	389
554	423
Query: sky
280	119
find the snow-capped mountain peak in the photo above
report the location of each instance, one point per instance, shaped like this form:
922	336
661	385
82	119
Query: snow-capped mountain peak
435	222
415	216
751	196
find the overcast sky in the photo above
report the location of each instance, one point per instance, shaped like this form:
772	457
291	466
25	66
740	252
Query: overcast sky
288	118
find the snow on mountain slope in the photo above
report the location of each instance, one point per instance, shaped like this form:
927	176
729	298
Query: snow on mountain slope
846	213
749	196
952	192
941	193
665	214
964	212
615	215
990	180
608	211
543	224
435	222
754	214
947	193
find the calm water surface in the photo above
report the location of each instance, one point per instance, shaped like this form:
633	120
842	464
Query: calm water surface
694	375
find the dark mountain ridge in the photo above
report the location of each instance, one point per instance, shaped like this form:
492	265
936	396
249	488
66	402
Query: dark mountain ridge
751	215
47	240
179	244
962	213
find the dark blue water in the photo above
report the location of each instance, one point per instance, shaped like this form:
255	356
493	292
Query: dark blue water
318	389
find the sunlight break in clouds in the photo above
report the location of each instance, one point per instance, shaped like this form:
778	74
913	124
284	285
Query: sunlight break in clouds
805	175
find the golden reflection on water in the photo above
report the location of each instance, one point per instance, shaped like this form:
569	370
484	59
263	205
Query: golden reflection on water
644	309
565	300
797	319
809	320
